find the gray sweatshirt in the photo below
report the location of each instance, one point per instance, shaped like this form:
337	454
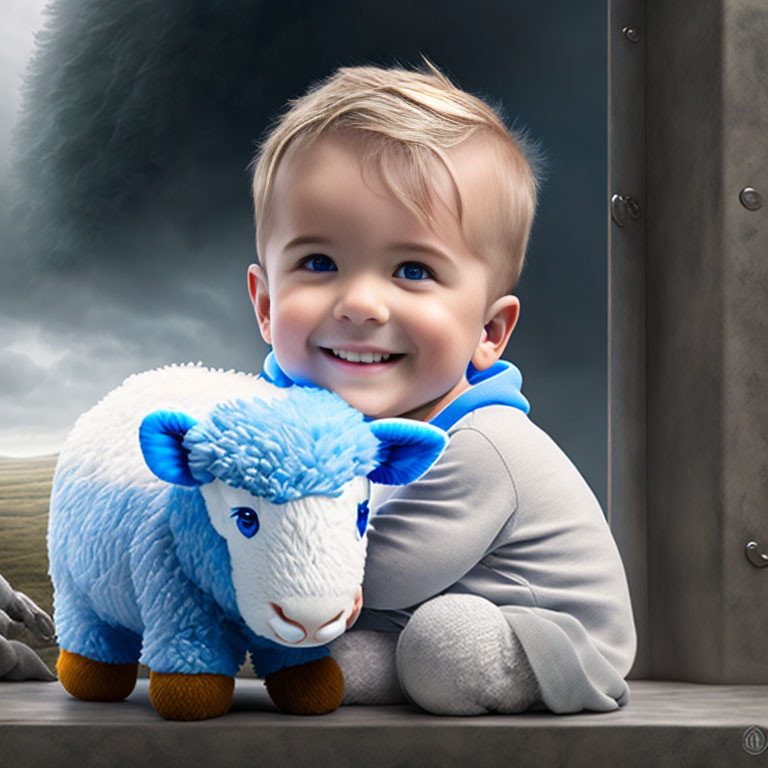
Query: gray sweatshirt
505	514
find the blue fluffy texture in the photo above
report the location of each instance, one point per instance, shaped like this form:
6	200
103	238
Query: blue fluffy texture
202	552
310	443
186	630
89	543
129	564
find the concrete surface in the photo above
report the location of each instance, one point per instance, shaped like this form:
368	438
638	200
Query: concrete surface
665	724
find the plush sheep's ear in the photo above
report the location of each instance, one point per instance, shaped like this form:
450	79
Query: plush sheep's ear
161	435
408	449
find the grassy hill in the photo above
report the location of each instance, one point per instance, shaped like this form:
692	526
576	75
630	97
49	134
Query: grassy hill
25	490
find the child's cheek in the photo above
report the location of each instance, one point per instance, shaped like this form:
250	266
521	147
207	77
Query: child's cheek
295	319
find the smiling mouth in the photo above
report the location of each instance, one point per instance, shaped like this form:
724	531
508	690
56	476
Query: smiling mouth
362	358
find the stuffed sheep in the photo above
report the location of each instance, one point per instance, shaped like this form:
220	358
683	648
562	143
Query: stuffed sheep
199	514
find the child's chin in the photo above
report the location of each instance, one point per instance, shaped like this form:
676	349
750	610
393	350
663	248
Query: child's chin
369	406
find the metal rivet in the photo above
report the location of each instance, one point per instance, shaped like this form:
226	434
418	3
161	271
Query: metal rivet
755	556
623	206
750	198
631	34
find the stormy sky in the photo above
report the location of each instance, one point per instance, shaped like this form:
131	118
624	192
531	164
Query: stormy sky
125	223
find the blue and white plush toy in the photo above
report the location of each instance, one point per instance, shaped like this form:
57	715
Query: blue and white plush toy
199	514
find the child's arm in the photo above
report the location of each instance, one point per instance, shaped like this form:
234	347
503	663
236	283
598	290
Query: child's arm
428	534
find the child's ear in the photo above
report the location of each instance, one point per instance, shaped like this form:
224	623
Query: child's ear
259	292
500	321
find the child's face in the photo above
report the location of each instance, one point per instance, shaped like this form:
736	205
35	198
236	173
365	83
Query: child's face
351	288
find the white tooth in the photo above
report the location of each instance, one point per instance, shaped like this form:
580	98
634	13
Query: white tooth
360	357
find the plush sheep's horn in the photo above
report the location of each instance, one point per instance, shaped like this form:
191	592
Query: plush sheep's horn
408	449
161	435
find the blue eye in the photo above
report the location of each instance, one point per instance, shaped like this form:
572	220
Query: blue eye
362	517
413	271
247	521
318	263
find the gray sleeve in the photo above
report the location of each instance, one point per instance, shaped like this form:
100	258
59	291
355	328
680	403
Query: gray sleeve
428	534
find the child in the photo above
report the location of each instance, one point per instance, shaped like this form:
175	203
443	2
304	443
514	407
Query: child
392	213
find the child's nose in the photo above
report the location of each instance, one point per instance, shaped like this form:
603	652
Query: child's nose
361	301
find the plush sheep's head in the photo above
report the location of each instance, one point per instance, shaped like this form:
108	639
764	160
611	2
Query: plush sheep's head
286	484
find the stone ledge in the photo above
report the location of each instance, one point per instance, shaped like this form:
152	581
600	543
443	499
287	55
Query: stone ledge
664	724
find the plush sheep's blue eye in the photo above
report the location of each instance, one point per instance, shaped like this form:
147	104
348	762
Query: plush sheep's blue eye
362	517
247	521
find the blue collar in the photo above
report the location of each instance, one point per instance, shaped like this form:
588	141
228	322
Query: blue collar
498	385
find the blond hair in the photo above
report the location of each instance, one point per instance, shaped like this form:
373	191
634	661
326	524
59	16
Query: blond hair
408	119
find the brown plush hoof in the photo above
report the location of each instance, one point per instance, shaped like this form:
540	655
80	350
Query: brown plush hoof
309	689
176	696
91	680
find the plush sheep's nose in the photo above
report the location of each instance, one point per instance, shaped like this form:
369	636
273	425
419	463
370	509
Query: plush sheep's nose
300	620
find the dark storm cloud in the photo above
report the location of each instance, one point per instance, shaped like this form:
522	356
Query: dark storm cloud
130	232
